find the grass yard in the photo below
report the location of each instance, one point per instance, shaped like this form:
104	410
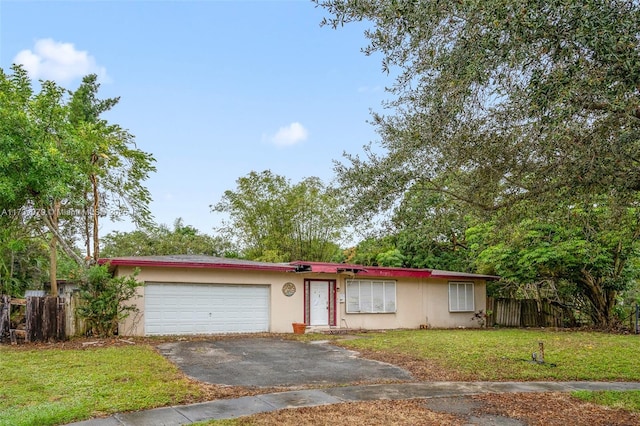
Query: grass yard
629	401
53	386
59	385
492	355
505	354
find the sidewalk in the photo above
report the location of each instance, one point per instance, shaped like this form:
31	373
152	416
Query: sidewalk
231	408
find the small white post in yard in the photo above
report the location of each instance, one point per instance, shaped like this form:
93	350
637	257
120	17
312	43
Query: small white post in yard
541	352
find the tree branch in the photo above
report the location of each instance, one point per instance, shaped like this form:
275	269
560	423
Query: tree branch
63	243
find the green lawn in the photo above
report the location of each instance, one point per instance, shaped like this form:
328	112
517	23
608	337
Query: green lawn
56	386
629	400
505	354
51	386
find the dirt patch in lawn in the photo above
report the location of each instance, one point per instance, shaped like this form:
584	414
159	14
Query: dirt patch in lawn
539	409
422	369
356	414
95	342
554	409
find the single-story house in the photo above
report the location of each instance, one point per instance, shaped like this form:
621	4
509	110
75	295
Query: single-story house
187	295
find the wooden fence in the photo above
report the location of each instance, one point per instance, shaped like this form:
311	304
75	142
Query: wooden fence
5	317
39	319
524	313
75	324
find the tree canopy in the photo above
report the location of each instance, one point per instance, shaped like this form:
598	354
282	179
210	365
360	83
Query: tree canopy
113	167
517	109
63	166
272	220
161	240
509	99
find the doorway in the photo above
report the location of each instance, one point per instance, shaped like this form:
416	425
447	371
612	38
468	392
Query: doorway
320	302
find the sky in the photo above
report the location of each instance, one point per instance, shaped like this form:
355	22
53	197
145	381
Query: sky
212	89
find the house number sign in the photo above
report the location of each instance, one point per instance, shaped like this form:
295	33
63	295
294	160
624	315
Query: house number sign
289	289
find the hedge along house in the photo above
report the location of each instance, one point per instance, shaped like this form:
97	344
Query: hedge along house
188	295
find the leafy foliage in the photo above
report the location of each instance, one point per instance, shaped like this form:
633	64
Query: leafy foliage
161	240
113	168
518	113
508	99
23	257
583	260
430	230
103	299
367	251
63	167
271	219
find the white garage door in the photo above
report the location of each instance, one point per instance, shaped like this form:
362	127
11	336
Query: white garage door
205	308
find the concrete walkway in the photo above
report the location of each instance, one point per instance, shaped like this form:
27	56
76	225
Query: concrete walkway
231	408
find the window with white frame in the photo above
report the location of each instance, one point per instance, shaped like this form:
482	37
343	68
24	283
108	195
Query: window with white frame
371	296
461	297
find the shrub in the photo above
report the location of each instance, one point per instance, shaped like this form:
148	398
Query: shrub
102	298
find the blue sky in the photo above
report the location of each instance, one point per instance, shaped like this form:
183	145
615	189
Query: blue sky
213	89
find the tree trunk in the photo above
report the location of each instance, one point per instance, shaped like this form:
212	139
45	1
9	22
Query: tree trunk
96	204
602	300
63	243
53	254
11	266
87	232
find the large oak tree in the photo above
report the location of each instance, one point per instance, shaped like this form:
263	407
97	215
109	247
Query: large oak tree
519	109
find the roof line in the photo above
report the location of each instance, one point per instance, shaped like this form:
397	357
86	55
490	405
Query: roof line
296	266
191	264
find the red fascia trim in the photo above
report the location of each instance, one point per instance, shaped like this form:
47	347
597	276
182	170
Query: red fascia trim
165	264
454	276
326	269
371	271
382	271
398	272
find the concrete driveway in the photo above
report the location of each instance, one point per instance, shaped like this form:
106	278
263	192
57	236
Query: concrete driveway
274	362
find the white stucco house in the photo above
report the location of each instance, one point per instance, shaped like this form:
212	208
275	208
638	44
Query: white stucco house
190	295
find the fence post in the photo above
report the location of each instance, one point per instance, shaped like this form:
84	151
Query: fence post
5	317
491	312
61	319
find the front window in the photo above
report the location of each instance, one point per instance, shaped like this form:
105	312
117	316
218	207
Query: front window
461	297
371	296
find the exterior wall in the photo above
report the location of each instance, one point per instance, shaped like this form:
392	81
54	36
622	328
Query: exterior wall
418	301
409	309
284	310
436	303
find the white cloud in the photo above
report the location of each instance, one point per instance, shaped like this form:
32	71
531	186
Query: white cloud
57	61
289	135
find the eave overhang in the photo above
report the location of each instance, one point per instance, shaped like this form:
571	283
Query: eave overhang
160	262
209	262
